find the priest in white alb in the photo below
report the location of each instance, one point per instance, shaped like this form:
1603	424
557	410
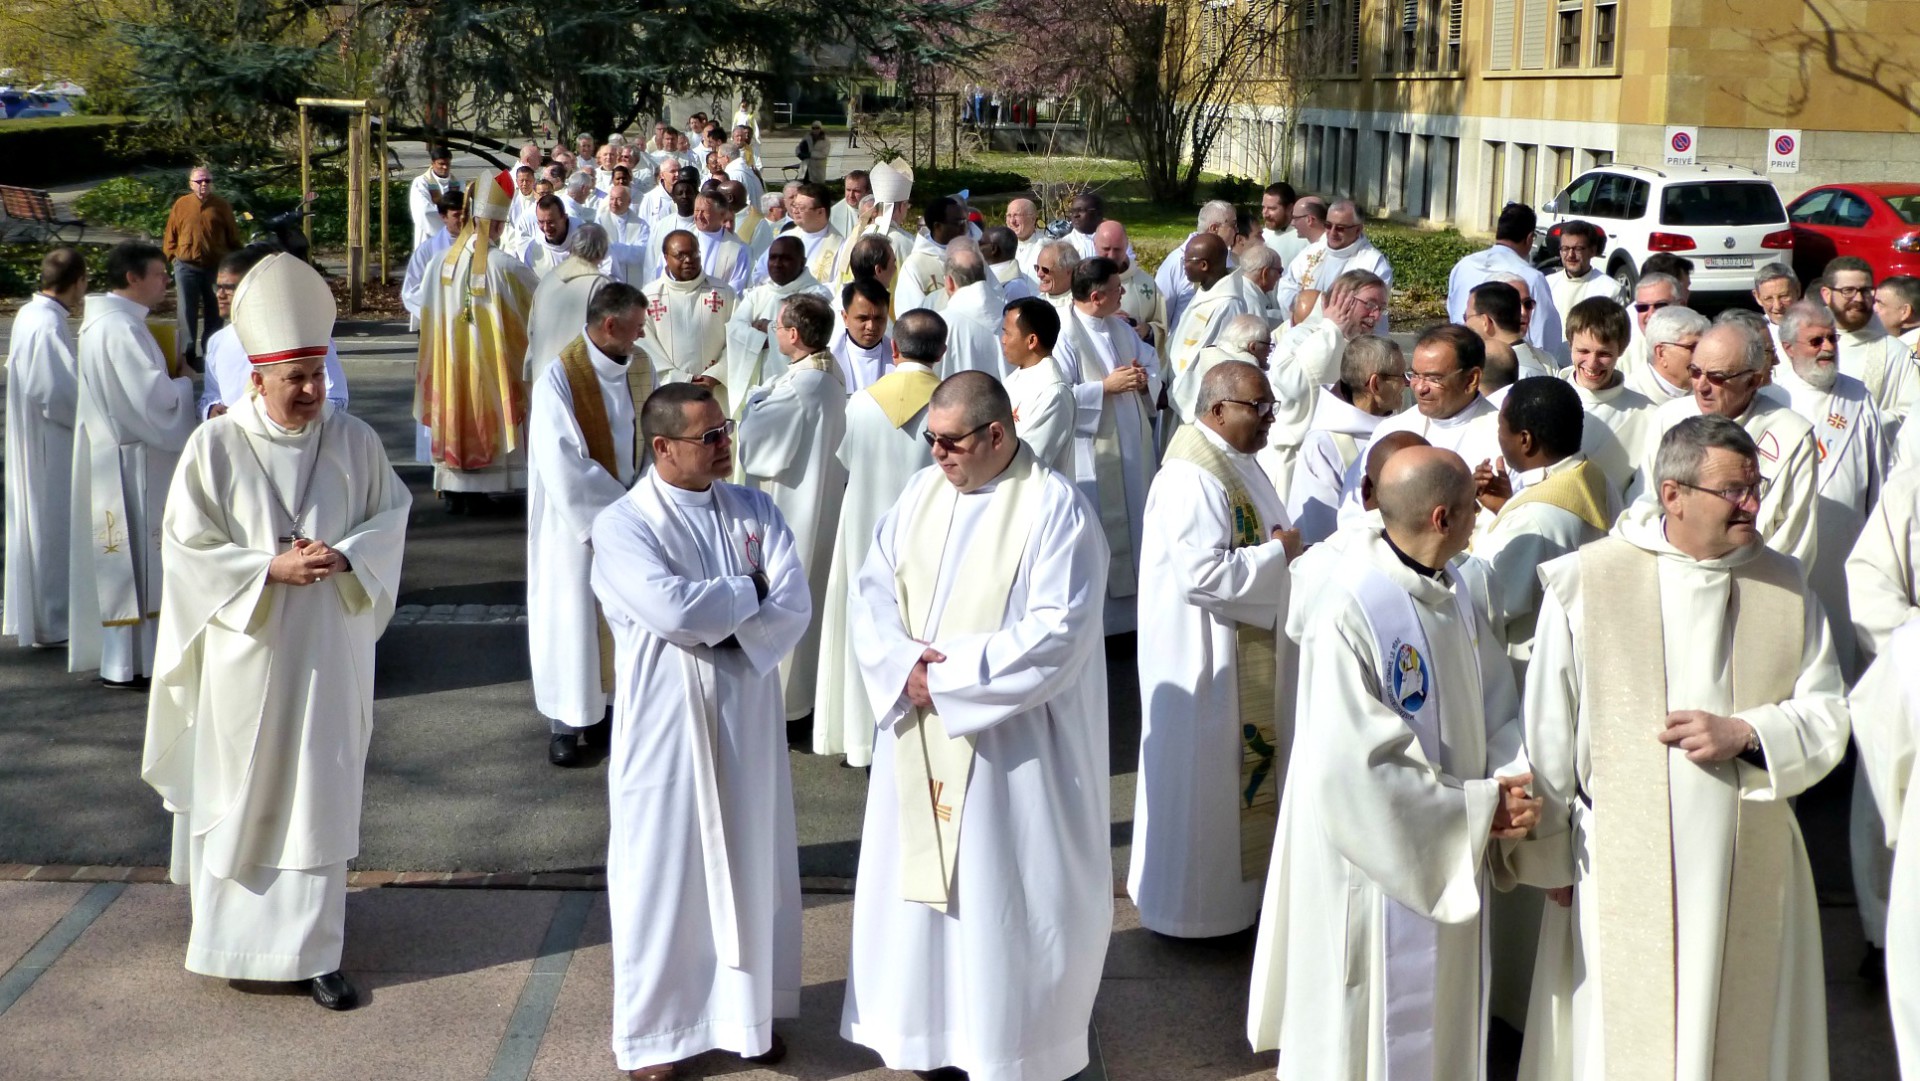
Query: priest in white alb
922	279
284	531
1309	356
1372	937
884	446
559	307
470	387
1044	412
790	432
43	389
862	345
1216	679
133	417
753	351
583	453
1371	387
1683	689
813	229
687	313
703	590
1343	247
1868	352
973	312
1216	300
1115	379
1448	410
426	258
978	610
1142	306
1598	332
1886	722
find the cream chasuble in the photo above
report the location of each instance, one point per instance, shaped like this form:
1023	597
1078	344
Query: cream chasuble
753	359
686	331
43	389
1789	460
1216	690
1001	580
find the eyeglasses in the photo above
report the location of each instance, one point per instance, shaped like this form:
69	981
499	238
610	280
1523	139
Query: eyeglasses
712	437
201	180
951	443
1335	227
1652	307
1431	379
1527	304
1718	379
222	288
1737	494
1263	408
1849	291
1575	249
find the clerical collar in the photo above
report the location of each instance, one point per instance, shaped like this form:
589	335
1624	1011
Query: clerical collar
597	354
905	365
685	497
675	285
1438	574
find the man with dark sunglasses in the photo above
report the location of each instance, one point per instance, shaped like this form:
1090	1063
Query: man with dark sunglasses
1729	367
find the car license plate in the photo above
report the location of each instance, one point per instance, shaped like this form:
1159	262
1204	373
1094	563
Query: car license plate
1728	262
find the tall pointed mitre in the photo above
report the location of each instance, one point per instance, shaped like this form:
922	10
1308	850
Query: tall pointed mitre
283	311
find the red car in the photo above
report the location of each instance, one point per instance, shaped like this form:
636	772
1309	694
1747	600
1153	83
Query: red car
1877	222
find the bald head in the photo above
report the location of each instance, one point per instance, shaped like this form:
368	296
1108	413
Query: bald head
1110	242
1383	449
1230	380
1427	501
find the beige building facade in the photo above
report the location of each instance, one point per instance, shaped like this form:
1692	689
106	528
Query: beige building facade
1442	111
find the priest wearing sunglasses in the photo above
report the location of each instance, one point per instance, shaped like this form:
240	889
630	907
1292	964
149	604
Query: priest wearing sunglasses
1730	366
705	592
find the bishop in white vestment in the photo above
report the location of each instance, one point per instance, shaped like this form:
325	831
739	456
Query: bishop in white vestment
978	610
705	593
1370	954
583	453
753	355
133	417
42	395
883	447
790	432
1682	689
1216	679
284	531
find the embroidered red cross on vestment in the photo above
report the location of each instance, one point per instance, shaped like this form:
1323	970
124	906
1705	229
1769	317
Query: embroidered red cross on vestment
1836	420
658	309
713	301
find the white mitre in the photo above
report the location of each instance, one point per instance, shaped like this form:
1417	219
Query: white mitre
283	310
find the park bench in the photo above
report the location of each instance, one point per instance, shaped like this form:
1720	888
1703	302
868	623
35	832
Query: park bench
31	213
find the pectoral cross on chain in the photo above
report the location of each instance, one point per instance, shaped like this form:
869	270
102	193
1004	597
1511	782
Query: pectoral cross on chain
941	811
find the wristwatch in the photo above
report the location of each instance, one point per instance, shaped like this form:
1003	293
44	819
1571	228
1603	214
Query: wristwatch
1753	741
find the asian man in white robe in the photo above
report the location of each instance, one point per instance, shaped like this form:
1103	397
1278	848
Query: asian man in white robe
284	532
753	351
1369	957
583	453
133	416
1115	379
1043	405
1216	680
1683	688
704	591
43	388
862	344
978	608
790	432
884	446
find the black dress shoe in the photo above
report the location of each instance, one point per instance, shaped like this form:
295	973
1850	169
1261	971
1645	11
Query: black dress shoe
598	737
334	992
776	1051
564	750
137	683
1873	967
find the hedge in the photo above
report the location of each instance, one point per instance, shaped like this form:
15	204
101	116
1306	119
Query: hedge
20	266
978	183
139	204
61	149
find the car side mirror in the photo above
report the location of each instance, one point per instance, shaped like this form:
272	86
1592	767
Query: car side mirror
1552	205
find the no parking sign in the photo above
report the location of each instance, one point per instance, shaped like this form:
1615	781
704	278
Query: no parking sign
1783	150
1680	145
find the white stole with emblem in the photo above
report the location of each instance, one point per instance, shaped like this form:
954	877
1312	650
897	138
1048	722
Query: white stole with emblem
1402	657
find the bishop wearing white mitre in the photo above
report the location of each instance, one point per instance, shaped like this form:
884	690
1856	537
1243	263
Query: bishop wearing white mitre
704	590
133	418
1216	680
1683	688
979	607
283	532
884	446
1371	946
583	453
43	387
790	432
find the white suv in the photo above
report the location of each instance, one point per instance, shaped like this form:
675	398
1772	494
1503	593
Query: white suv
1726	219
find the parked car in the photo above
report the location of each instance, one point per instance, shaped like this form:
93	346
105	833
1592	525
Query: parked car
1877	222
1727	219
27	104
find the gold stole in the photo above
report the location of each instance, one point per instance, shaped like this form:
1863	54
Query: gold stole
1254	659
932	769
903	393
590	412
1624	688
1579	490
1110	463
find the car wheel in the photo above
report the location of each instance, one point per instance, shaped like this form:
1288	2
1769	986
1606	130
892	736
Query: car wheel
1621	270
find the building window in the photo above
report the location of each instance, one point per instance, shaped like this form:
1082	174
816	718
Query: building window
1567	33
1424	35
1605	15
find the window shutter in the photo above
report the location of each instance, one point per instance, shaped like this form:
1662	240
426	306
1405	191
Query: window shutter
1501	54
1351	13
1533	35
1455	17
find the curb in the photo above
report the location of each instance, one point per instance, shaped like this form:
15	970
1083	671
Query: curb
473	880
